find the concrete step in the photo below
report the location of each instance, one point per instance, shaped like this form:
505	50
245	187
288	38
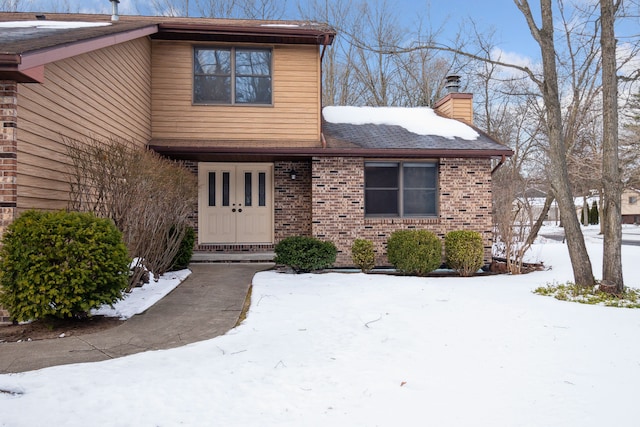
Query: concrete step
233	257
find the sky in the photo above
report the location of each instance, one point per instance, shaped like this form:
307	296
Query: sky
499	14
353	349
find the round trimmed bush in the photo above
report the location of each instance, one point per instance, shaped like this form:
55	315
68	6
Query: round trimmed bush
464	251
305	254
61	264
363	255
415	252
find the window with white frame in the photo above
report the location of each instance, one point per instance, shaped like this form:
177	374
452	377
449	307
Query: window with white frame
400	189
229	75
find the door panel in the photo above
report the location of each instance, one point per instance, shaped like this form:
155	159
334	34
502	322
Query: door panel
235	203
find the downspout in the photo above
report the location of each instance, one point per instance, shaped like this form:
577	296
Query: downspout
324	48
500	163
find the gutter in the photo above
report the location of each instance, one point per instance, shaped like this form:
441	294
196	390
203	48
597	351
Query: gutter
324	152
500	163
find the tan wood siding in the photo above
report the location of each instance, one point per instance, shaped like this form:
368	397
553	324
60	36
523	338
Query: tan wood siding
294	115
102	94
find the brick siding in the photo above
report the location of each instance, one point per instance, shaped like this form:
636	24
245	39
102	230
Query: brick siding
8	159
338	205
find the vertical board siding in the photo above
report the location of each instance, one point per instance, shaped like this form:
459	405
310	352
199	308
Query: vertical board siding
294	115
102	94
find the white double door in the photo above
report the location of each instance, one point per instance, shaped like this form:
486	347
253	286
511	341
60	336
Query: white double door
235	203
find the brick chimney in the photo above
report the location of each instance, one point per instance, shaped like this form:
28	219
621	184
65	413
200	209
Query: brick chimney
454	104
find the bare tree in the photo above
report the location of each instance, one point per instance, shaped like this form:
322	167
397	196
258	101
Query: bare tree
170	7
544	36
13	5
216	8
612	279
263	9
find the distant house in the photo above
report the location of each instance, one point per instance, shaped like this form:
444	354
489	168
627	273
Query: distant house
240	102
631	206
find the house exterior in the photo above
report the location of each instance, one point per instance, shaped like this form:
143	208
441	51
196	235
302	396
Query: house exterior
631	206
240	102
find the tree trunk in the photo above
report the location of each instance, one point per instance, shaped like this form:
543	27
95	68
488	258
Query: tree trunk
612	280
582	271
538	224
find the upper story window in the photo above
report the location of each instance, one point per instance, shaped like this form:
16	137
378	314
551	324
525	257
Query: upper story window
633	200
228	75
400	189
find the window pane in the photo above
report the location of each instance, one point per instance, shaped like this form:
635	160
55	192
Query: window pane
381	188
262	189
419	189
212	188
417	175
247	189
225	188
381	202
254	90
253	62
381	175
212	89
212	76
213	61
419	202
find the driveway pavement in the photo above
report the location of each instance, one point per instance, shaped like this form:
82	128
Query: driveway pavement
207	304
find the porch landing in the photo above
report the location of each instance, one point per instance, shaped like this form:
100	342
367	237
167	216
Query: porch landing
266	256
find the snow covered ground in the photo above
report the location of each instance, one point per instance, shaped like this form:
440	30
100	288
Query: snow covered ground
371	350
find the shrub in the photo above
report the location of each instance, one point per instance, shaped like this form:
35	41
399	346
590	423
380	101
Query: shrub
464	251
185	251
150	198
61	264
416	252
305	254
363	255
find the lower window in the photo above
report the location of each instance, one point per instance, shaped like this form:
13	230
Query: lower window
401	189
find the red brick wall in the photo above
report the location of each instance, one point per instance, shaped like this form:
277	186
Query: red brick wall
338	208
292	199
338	202
8	159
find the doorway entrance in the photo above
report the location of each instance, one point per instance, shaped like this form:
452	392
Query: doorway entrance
235	203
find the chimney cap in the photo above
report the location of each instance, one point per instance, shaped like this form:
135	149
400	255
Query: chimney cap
452	83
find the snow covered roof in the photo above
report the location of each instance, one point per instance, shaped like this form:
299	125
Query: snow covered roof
421	121
404	129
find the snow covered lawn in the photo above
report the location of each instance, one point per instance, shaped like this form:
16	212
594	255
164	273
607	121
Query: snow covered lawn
370	350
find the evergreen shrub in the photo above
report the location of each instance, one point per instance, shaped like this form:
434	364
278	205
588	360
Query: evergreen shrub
363	255
464	251
304	254
594	215
185	251
61	264
416	252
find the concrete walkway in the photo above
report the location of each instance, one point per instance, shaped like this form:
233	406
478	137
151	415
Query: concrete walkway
205	305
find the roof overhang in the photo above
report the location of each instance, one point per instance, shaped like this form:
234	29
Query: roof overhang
267	33
28	67
216	153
